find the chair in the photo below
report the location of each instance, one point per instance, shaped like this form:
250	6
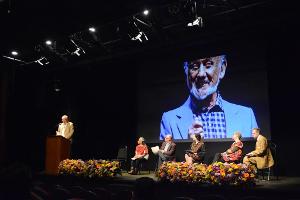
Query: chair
183	198
41	192
272	146
213	197
143	166
61	193
117	187
252	198
102	193
80	192
124	195
122	157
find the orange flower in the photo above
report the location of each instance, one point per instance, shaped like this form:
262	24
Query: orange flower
173	171
246	175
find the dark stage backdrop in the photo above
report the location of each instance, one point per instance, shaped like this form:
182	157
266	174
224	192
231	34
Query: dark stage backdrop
103	99
162	81
112	103
100	100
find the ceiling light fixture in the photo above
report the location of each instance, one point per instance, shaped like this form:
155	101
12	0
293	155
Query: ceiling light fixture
14	53
146	12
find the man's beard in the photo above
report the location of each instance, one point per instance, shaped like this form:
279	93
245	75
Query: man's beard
201	94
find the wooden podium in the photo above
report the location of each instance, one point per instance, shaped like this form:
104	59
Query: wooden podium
57	149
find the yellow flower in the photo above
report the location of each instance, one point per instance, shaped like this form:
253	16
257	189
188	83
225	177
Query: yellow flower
222	172
235	166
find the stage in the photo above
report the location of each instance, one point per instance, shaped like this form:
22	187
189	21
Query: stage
283	188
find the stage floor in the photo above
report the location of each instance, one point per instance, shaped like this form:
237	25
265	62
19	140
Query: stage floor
282	183
287	183
283	188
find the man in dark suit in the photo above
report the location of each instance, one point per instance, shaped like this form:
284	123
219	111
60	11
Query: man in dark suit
167	150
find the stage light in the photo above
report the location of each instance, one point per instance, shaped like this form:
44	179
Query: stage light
42	61
135	33
141	36
197	22
92	29
14	53
79	50
89	38
57	85
57	89
191	14
146	12
48	42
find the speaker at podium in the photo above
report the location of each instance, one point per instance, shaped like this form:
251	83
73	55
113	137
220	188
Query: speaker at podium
57	150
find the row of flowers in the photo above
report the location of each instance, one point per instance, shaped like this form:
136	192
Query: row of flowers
218	173
90	168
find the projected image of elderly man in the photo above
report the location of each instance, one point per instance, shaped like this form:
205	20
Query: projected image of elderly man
219	117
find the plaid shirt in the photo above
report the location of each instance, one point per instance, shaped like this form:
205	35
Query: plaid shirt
213	120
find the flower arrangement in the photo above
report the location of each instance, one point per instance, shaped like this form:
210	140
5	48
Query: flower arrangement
107	169
230	173
72	167
90	168
181	171
217	174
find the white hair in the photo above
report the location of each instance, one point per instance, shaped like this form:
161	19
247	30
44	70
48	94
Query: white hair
169	135
65	117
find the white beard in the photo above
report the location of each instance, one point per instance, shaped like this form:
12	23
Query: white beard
201	94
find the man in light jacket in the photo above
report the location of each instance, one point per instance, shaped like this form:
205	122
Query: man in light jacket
261	156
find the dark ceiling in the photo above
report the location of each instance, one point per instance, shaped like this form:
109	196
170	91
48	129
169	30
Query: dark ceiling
27	24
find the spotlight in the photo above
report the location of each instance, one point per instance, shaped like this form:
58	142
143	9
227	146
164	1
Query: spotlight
92	29
79	50
56	89
42	61
197	22
57	85
191	14
146	12
135	33
87	39
48	42
14	53
141	36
